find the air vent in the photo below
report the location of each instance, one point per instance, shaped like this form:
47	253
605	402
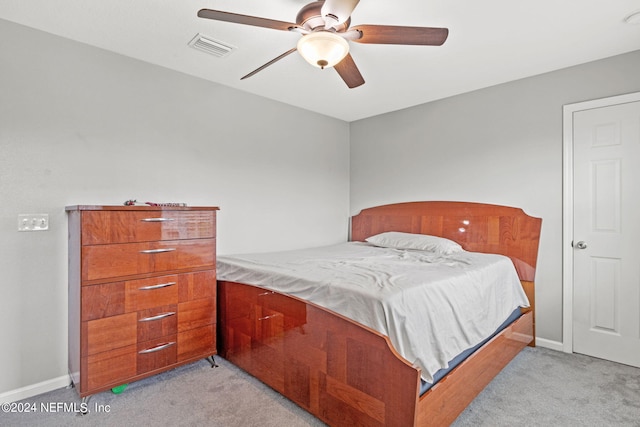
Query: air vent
211	46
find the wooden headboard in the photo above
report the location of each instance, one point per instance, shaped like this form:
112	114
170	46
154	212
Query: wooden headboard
476	227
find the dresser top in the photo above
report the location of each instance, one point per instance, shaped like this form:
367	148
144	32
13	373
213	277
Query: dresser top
139	208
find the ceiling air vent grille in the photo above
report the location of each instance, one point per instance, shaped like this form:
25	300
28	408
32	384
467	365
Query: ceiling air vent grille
211	46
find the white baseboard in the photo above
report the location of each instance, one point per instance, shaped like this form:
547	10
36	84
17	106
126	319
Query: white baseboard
34	389
553	345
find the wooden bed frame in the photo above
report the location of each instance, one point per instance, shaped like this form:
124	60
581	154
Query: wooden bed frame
349	375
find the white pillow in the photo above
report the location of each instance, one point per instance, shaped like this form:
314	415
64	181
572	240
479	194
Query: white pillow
423	242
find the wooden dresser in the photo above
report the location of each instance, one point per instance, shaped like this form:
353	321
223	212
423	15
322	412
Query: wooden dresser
142	291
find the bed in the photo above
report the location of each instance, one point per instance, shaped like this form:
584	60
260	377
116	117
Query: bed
350	372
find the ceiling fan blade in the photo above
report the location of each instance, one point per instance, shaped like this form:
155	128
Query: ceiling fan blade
349	72
257	70
390	34
219	15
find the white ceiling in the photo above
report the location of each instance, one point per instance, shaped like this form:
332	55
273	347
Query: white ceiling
490	42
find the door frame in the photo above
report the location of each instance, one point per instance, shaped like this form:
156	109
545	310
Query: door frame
567	205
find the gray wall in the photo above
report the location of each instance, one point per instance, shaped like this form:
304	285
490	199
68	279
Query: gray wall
500	145
79	125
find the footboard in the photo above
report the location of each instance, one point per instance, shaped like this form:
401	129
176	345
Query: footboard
443	402
338	370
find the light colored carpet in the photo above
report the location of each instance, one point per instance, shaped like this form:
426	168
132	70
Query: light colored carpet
540	387
192	395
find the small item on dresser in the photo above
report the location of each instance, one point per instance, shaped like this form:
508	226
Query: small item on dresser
164	205
133	202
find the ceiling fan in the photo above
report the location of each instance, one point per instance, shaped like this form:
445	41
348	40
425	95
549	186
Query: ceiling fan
324	25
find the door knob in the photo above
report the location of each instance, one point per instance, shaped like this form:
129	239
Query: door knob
580	245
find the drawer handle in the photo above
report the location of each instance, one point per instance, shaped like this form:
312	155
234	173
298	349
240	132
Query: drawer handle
157	348
267	317
157	317
157	251
158	286
157	219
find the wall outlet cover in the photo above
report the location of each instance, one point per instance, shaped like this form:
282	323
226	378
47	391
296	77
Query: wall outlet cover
33	222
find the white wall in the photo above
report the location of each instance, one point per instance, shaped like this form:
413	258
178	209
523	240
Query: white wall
500	145
79	125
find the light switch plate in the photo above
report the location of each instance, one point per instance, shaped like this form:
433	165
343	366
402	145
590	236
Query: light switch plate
33	222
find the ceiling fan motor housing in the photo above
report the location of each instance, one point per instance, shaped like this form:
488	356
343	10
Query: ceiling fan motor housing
337	11
310	17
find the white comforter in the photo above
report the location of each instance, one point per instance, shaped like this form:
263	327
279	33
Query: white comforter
431	306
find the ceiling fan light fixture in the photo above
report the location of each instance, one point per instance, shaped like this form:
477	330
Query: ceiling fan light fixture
323	48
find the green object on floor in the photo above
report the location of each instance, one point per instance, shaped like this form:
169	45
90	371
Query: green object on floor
119	389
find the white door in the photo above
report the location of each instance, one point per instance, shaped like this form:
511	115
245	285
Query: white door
606	232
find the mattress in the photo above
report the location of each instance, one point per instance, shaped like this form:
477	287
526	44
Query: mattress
432	306
424	385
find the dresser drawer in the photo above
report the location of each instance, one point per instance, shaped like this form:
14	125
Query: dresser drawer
196	342
114	298
197	285
104	227
156	354
153	292
108	333
103	300
196	313
109	368
130	259
157	322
